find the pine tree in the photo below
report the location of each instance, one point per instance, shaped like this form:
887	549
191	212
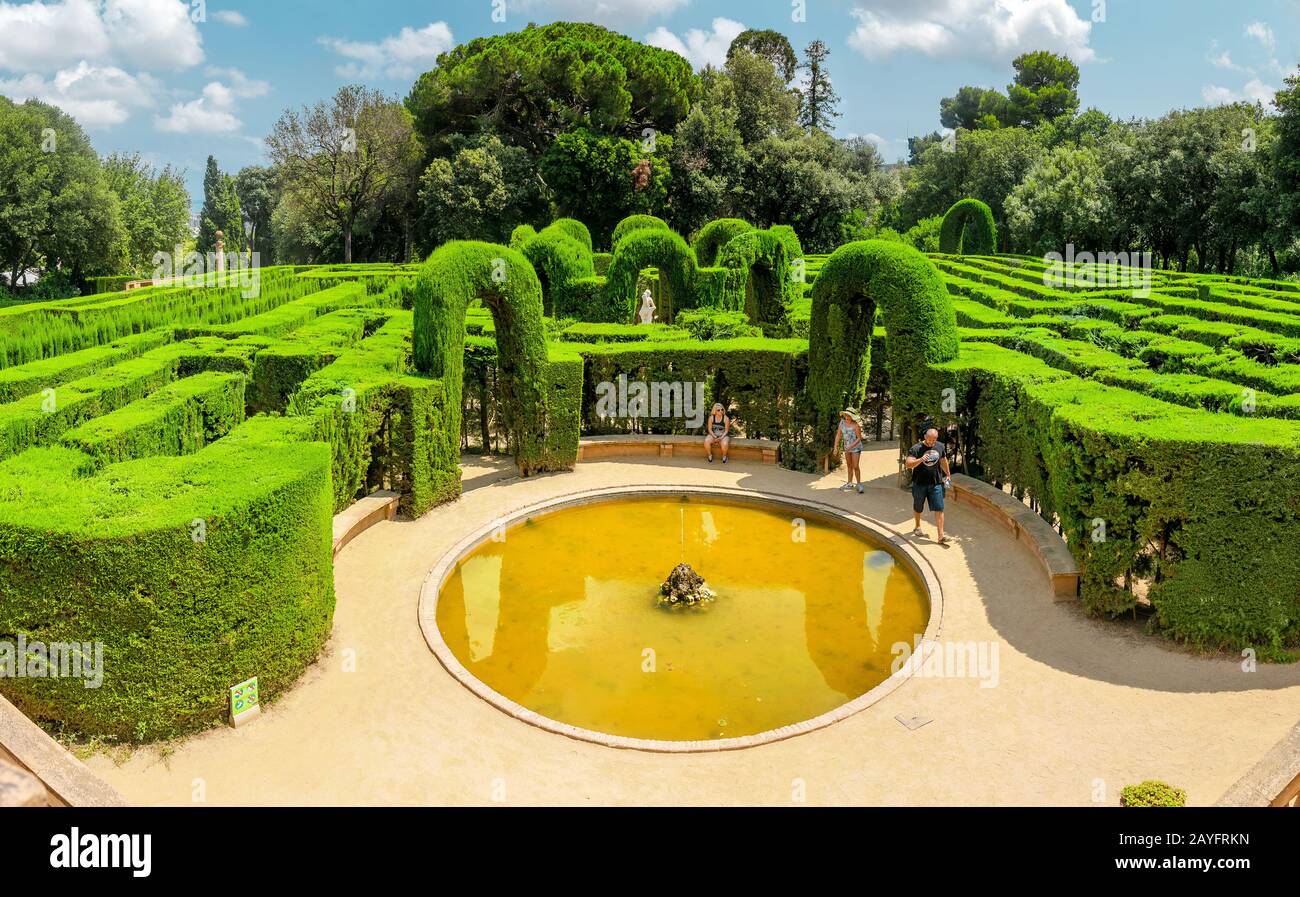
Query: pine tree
819	97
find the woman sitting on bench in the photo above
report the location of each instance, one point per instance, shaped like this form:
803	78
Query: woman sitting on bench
717	429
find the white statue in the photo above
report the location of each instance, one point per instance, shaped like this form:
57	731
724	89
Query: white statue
221	253
647	312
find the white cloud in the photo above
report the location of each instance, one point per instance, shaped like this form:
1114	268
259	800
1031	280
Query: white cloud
990	30
1261	32
403	55
619	14
96	96
240	84
700	47
232	17
1255	91
144	34
212	113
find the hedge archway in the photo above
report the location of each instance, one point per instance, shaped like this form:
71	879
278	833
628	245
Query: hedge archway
456	274
968	228
758	275
920	326
652	248
711	239
633	223
560	261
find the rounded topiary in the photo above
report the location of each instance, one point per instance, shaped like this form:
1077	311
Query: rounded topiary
634	223
918	317
787	235
574	228
969	229
715	235
521	235
455	274
1152	793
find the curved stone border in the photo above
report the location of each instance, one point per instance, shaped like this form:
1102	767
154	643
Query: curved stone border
899	547
67	781
1272	782
1026	526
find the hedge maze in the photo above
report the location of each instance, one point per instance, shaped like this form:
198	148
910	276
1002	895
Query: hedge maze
171	457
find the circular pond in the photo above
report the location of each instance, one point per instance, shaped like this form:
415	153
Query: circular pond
557	612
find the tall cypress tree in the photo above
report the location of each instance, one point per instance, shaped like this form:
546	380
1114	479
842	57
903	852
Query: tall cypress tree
819	97
220	211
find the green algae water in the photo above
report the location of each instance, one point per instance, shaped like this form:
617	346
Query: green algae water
561	616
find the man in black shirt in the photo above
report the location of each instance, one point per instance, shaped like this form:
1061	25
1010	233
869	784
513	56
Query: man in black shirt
928	462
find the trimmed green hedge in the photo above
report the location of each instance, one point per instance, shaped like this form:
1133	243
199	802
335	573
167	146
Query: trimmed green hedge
194	573
715	235
969	229
456	274
759	276
857	279
634	223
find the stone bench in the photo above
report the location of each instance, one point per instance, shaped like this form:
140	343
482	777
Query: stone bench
596	448
1026	526
361	515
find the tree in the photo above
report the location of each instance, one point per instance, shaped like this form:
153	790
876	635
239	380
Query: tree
819	97
1285	173
770	45
973	108
708	158
155	207
805	181
1045	88
339	158
220	211
532	85
1063	200
481	193
57	212
600	180
258	189
764	105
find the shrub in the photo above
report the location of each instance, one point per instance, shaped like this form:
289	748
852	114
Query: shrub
575	229
714	324
1152	793
758	280
646	248
968	228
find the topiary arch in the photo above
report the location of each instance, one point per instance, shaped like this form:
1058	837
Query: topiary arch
456	274
969	229
652	248
758	276
919	320
633	223
715	235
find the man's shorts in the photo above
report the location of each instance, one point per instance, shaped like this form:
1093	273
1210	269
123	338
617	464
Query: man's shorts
920	494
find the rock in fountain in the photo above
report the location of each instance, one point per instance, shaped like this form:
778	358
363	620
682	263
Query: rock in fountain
685	588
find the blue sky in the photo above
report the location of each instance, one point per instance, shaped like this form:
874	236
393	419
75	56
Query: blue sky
144	75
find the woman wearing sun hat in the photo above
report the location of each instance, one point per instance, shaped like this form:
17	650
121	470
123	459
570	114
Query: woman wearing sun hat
849	436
